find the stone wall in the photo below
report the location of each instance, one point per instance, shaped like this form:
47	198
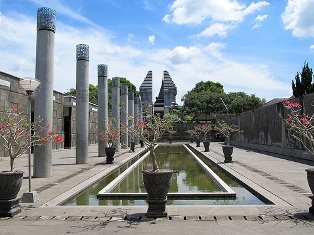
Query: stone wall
264	129
93	124
64	110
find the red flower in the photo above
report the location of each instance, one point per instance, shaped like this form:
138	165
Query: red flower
14	106
304	121
58	138
4	126
289	120
291	104
47	126
141	123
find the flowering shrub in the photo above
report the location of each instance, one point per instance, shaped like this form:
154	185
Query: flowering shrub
300	125
151	130
191	133
15	135
226	129
110	136
203	129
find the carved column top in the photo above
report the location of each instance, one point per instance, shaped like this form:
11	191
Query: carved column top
131	95
82	52
124	90
115	82
46	19
102	70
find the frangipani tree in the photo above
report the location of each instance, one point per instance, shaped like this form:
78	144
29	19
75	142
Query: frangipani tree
151	130
17	135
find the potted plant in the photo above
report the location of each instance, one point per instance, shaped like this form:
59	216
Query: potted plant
110	136
204	129
156	181
197	135
17	135
226	130
301	128
191	133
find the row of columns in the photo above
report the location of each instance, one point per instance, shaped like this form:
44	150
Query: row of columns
123	106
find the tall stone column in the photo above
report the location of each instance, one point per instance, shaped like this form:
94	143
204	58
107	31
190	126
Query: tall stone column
136	116
102	105
44	72
82	103
116	107
140	109
124	116
131	112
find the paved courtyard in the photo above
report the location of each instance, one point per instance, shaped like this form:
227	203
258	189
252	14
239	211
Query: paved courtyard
282	180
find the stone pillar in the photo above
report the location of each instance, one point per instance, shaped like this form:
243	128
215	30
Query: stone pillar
140	109
131	112
102	105
116	107
136	116
82	103
124	116
45	44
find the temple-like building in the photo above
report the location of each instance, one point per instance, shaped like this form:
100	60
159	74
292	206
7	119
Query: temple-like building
146	90
167	94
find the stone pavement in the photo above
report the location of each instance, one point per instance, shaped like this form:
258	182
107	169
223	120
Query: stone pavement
281	180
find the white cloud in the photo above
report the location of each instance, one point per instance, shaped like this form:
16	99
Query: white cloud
311	47
196	12
151	39
215	48
258	22
299	18
181	54
219	29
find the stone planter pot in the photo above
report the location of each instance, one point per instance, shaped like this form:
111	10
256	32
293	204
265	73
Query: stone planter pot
227	150
110	151
206	145
10	185
157	185
132	146
310	180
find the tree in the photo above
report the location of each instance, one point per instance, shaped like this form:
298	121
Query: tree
210	98
303	82
203	98
239	102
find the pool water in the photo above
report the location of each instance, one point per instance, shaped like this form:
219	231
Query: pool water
190	178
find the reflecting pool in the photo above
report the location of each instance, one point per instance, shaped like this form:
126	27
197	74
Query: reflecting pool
190	177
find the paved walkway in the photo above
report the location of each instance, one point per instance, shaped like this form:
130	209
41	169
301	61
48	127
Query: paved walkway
281	180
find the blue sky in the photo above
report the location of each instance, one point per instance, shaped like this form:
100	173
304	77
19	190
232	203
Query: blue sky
251	46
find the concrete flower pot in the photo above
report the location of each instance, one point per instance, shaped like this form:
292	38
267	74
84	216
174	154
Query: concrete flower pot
227	150
10	185
206	145
157	185
310	180
132	147
110	151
